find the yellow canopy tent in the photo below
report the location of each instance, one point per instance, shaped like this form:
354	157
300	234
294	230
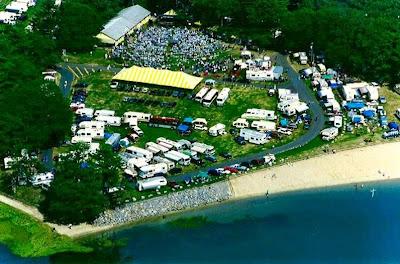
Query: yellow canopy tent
170	13
158	77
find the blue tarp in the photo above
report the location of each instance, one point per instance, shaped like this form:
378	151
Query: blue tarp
183	128
369	114
357	119
284	122
393	126
354	105
383	120
107	135
188	120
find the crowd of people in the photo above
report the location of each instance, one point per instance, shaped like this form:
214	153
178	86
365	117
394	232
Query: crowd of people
175	48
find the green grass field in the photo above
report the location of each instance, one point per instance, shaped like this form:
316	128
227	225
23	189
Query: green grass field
241	98
3	4
28	237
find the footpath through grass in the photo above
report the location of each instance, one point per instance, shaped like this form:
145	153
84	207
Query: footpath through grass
27	237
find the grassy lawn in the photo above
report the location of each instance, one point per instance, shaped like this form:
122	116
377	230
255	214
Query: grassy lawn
241	98
3	4
393	102
96	57
28	237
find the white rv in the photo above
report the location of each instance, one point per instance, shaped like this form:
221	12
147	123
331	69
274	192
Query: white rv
8	162
330	133
157	146
141	117
223	96
42	179
174	144
85	112
269	159
109	120
337	121
218	129
199	124
29	3
8	17
178	157
16	7
153	150
240	123
104	112
81	139
253	136
152	169
170	164
210	97
91	125
262	125
137	162
259	114
140	152
203	148
93	133
152	183
200	95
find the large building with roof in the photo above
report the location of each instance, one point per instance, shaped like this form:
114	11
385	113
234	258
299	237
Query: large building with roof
124	23
158	78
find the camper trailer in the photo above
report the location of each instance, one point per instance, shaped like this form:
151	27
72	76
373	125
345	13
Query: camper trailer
174	144
152	183
17	8
210	97
152	169
170	164
157	146
81	139
203	148
88	112
218	129
259	114
254	137
200	95
337	121
200	124
223	96
263	126
140	152
269	159
109	120
8	17
178	157
329	133
136	162
42	179
91	125
93	133
141	117
240	123
104	113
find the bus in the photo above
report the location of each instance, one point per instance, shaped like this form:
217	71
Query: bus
210	97
200	95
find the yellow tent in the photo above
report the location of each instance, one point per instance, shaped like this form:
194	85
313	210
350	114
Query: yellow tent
170	13
158	77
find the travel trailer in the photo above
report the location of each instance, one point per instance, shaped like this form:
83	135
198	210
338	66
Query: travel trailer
263	126
210	97
141	117
240	123
140	152
200	124
85	112
259	114
93	133
81	139
174	144
200	95
329	133
178	157
223	96
157	146
170	164
109	120
42	179
254	137
203	148
218	129
104	113
91	125
152	183
152	169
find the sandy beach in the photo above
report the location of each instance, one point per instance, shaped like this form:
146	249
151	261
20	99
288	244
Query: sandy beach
373	163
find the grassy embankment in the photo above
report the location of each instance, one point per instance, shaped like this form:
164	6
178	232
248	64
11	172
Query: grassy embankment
27	237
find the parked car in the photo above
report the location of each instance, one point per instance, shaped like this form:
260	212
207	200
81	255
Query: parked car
257	162
197	161
211	158
214	172
240	140
173	184
226	155
232	170
175	170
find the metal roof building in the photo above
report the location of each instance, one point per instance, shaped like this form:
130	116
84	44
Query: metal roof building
124	23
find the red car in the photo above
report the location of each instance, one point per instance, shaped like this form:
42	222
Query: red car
232	170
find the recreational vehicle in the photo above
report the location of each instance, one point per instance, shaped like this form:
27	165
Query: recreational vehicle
218	129
259	114
17	8
178	157
153	150
93	133
262	125
85	112
141	117
254	137
330	133
132	122
81	139
199	124
140	152
114	140
269	159
200	95
170	164
152	183
91	125
157	146
240	123
210	97
223	96
203	148
42	179
152	169
109	120
174	144
8	18
104	113
136	162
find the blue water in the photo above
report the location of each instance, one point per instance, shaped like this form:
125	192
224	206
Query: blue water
338	225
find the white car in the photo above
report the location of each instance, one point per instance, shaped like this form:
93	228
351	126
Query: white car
114	85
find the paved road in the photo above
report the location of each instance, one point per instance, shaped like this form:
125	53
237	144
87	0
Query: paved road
69	70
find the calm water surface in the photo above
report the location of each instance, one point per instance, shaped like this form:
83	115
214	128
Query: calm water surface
338	225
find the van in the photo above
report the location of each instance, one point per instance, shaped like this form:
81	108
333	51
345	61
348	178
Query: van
240	123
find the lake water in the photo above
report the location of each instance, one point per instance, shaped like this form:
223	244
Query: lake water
338	225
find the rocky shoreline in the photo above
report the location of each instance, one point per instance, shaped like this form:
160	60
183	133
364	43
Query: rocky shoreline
158	206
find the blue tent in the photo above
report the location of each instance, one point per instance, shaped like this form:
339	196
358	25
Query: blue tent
354	105
187	120
369	114
357	119
284	122
107	135
183	129
393	126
